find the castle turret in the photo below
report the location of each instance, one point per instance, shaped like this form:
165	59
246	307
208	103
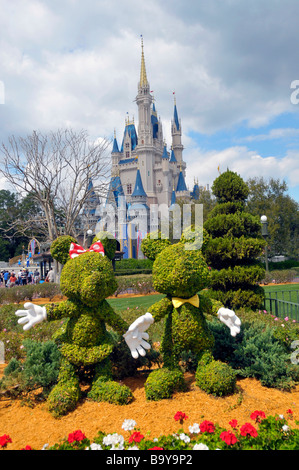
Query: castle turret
176	132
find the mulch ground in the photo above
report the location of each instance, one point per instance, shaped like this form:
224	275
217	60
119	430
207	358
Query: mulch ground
35	426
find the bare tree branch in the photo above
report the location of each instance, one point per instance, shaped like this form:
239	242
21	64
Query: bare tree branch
56	170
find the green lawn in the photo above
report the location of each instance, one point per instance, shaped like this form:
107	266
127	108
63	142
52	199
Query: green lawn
146	301
142	302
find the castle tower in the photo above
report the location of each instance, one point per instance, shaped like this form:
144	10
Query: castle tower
143	170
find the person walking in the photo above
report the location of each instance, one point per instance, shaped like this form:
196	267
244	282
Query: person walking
24	277
6	276
12	280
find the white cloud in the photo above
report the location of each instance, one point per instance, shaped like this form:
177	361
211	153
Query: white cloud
248	164
76	64
282	133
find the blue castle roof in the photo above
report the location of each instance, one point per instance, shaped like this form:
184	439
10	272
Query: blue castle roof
172	157
115	148
131	130
138	190
181	183
165	154
176	118
154	121
115	188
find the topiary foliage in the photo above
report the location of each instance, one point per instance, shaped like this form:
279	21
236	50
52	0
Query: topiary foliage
180	272
182	275
217	378
230	187
234	246
153	244
84	341
60	248
195	237
109	243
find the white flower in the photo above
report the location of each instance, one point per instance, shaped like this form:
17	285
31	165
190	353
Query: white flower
184	438
285	428
113	440
94	446
281	416
128	424
194	429
133	448
200	447
45	446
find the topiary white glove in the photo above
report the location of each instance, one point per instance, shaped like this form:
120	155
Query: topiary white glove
230	319
33	315
135	336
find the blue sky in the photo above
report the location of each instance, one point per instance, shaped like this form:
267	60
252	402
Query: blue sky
231	64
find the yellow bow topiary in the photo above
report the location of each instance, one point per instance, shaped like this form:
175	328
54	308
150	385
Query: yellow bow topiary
177	301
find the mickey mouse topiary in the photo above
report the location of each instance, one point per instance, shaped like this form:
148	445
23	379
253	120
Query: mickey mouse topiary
87	279
182	274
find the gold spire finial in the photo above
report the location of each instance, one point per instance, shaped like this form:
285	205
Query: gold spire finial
143	77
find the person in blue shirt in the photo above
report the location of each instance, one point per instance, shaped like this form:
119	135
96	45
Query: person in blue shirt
6	277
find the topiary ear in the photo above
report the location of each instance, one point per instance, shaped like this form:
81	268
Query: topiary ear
195	237
109	243
153	244
60	248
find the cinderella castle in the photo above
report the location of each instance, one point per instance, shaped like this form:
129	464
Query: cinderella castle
145	174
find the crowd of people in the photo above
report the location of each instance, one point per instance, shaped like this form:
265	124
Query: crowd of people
22	278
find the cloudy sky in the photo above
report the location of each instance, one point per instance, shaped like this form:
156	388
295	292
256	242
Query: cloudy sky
233	65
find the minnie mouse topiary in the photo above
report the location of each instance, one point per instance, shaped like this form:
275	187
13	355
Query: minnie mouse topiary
87	279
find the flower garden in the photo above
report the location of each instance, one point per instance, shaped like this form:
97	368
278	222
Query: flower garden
261	432
214	371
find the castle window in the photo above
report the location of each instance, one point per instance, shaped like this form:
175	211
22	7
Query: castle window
127	154
127	145
129	188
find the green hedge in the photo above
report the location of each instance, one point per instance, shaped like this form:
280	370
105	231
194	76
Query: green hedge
288	264
280	276
133	266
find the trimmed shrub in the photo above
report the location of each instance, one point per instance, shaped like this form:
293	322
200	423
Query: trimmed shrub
153	244
162	383
39	369
234	246
216	378
110	392
60	248
180	272
261	355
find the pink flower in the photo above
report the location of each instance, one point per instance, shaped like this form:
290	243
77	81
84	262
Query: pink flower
4	440
136	436
76	436
180	416
248	430
233	423
228	437
207	426
257	416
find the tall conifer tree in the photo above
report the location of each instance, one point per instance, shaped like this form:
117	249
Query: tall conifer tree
234	246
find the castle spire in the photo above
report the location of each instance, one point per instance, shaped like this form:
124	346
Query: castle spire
143	77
